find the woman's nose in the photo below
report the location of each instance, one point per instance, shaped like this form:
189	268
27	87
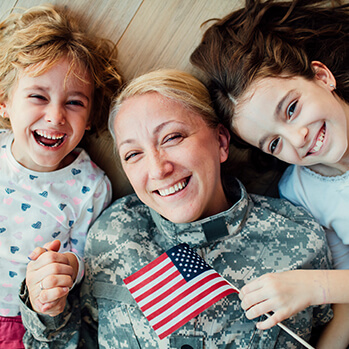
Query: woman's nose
55	115
159	166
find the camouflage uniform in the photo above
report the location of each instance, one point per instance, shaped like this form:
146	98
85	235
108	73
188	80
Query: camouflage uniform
255	236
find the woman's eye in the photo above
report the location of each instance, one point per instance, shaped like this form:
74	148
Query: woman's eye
130	156
273	145
176	137
291	109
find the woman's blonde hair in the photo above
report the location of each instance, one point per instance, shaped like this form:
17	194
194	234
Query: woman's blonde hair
176	85
46	34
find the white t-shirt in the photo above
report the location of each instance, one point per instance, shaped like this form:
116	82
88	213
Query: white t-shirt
39	207
327	199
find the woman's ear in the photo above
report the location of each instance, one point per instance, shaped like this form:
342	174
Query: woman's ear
324	74
224	141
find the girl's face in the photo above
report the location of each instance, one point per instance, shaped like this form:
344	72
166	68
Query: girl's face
49	114
299	121
171	157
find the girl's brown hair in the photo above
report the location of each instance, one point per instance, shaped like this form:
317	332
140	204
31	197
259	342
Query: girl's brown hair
272	39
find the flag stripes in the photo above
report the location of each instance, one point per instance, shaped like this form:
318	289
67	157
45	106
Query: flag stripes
176	287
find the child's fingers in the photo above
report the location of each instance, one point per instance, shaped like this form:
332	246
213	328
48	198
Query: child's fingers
250	287
38	251
49	260
259	309
253	298
268	323
53	245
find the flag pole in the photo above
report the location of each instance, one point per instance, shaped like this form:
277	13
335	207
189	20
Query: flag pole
285	328
291	333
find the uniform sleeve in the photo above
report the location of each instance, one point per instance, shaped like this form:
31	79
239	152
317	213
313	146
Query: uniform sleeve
44	331
78	323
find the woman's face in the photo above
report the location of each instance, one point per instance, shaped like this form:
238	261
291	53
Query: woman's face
171	157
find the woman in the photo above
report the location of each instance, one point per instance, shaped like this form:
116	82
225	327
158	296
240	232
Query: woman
171	147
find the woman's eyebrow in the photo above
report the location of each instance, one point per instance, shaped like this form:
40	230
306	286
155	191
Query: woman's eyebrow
156	131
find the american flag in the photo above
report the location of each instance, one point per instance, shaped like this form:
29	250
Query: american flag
176	287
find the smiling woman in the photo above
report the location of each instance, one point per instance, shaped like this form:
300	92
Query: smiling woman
162	159
172	147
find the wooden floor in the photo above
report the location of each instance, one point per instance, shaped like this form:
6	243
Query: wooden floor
149	33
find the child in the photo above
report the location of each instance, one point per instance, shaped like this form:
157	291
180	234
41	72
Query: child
278	75
55	82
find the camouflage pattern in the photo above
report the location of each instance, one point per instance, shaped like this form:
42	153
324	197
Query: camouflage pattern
262	235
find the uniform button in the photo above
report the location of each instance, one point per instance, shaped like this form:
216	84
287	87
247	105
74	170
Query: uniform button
186	346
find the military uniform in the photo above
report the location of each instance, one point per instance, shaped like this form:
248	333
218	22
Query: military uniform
255	236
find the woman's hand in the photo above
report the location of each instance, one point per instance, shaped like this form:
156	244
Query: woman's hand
284	294
49	279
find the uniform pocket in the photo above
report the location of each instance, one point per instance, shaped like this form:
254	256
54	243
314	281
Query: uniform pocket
115	325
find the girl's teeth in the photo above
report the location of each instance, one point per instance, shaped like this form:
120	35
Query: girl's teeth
319	142
44	134
174	189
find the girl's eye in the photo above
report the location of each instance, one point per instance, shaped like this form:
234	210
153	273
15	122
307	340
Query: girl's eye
35	96
291	109
75	102
273	145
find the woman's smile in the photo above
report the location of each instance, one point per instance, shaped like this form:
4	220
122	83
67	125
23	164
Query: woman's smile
179	186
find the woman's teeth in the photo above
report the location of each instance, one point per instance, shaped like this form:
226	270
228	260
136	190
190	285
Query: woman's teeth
174	189
319	142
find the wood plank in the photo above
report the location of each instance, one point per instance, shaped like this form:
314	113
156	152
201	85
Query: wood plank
6	8
164	33
106	18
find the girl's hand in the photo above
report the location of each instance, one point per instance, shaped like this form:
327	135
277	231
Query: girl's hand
284	294
49	278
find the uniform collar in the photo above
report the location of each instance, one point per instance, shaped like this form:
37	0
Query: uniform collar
204	231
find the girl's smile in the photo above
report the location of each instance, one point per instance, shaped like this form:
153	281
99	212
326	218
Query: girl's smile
49	139
319	141
299	121
49	114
